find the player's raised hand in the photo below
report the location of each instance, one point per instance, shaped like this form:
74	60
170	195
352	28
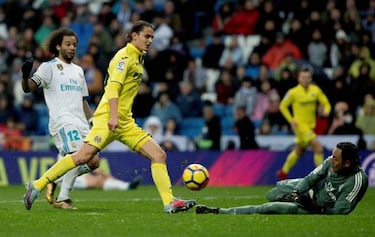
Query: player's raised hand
27	66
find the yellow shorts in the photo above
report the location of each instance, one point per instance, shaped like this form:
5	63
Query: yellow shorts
130	134
304	135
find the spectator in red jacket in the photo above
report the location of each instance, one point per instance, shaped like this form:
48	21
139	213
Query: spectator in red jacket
279	50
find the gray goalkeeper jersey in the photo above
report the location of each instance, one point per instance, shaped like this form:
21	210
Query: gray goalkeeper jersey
338	193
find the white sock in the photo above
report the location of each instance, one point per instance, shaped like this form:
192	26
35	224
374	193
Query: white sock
115	184
67	184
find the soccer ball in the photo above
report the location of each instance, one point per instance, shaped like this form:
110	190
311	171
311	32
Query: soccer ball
195	177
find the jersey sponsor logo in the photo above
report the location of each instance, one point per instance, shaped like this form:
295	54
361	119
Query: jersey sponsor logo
121	65
60	67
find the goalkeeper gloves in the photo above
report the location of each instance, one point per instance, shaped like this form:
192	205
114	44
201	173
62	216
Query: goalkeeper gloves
302	200
27	66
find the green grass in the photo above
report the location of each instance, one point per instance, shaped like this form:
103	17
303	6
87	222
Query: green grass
139	213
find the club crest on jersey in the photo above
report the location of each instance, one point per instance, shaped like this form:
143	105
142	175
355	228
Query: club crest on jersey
60	67
97	139
121	65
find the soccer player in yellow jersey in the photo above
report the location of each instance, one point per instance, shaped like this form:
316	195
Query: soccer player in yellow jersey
113	121
303	100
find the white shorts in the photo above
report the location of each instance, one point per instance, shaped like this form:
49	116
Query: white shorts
68	139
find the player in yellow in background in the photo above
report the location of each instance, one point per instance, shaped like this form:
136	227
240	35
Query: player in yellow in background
303	100
113	120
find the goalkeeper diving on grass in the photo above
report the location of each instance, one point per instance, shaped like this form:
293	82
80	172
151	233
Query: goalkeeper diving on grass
334	187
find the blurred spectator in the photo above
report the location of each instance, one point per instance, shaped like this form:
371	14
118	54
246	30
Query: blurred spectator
252	65
147	10
263	100
27	42
246	97
7	109
287	63
276	121
222	15
245	129
286	81
297	34
163	32
232	53
11	40
322	121
172	18
211	133
94	79
196	74
43	32
188	100
363	57
135	16
213	52
368	22
339	51
366	41
5	56
268	12
143	101
243	19
28	116
123	13
165	109
13	139
363	84
224	88
279	50
179	45
342	122
317	50
154	127
106	15
342	90
102	38
366	117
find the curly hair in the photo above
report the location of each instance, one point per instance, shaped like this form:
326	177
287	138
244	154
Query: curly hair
57	37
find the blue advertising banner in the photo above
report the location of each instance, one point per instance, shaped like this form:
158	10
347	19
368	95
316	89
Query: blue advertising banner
229	168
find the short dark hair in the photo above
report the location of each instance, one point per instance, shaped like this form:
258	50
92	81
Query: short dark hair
138	27
57	37
349	151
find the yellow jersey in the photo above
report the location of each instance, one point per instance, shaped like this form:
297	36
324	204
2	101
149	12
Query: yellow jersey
304	105
125	68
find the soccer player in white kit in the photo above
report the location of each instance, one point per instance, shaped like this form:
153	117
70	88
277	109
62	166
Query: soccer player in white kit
65	89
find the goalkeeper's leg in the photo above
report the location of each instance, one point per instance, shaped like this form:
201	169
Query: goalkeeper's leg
266	208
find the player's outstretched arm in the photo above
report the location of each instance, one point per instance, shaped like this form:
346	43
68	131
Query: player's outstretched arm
27	84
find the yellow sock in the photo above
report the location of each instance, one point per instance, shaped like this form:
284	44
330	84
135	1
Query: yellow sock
318	159
58	169
162	181
291	160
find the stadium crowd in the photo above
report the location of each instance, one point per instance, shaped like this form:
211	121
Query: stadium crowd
217	54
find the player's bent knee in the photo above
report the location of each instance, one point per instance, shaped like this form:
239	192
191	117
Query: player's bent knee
159	156
94	162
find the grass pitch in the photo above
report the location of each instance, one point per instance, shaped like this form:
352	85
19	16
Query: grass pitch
140	213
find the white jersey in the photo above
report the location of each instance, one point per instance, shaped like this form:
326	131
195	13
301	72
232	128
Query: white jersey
64	87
